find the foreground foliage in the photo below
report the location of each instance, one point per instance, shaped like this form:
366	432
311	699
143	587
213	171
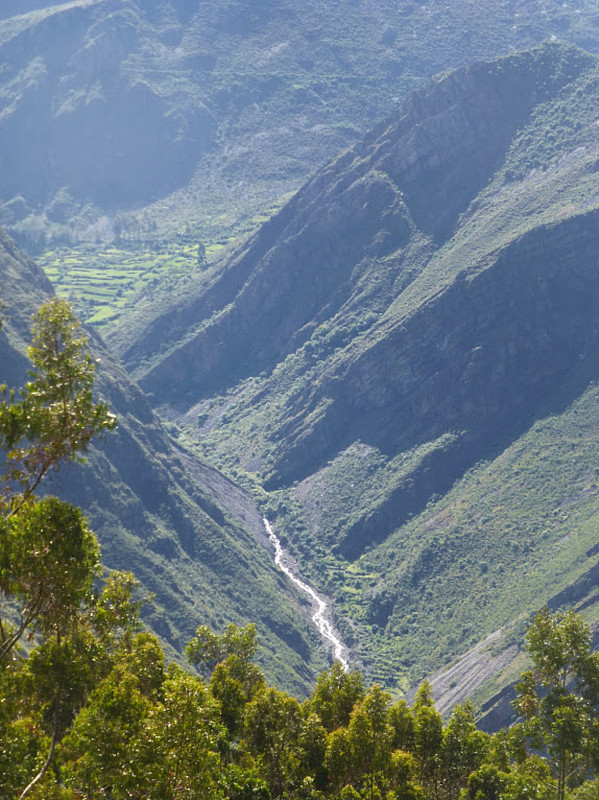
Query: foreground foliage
132	727
89	708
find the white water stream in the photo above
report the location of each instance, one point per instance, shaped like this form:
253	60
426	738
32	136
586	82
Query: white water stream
319	617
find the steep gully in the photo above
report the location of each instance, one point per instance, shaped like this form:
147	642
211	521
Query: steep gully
319	606
240	505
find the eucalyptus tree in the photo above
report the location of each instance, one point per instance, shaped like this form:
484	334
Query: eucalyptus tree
48	556
559	697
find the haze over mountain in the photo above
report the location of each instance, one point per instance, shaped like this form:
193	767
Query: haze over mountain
205	113
404	357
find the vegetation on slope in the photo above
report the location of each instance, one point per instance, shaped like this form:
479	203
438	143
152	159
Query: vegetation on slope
193	539
213	116
414	391
381	253
91	708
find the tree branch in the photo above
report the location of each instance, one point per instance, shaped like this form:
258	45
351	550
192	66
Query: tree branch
44	769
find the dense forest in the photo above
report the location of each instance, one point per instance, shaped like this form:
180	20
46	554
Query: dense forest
91	708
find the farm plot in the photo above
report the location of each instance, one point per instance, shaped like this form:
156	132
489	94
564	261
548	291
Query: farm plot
104	283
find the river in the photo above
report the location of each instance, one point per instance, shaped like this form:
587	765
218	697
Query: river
321	612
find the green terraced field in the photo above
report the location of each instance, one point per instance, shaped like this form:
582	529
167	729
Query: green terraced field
104	283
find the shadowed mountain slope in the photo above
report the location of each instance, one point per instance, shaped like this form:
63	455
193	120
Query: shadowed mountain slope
405	357
394	198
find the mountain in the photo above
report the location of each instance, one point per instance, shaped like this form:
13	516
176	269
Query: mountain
398	364
191	537
139	117
405	357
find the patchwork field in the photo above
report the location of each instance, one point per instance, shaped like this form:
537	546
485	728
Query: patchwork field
104	283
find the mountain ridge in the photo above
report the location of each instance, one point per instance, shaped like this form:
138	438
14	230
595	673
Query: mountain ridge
409	354
384	191
391	364
236	104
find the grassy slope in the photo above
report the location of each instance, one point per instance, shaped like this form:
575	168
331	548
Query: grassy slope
519	525
246	443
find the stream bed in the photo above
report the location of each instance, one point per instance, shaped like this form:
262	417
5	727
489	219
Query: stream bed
321	613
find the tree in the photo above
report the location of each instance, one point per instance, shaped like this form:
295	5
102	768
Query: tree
362	758
559	697
272	731
188	736
313	746
42	693
463	750
107	745
235	679
428	738
201	255
48	560
403	723
147	733
487	782
335	695
207	648
372	735
233	684
54	418
48	556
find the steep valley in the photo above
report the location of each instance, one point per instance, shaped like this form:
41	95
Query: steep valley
408	384
193	539
383	339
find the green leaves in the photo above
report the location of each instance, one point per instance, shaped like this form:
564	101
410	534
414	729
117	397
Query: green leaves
272	729
559	647
207	648
188	737
48	560
55	418
107	740
559	698
335	695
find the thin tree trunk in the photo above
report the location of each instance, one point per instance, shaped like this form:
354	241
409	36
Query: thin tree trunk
561	786
46	766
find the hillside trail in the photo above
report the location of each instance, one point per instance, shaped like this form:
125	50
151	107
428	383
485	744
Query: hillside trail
321	611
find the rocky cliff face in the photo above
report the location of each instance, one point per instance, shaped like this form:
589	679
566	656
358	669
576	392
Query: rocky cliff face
77	102
373	216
